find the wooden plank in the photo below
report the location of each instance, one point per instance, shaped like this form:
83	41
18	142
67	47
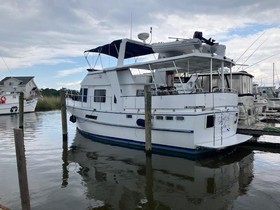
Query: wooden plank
258	129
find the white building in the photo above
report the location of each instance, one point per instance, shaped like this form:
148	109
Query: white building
19	84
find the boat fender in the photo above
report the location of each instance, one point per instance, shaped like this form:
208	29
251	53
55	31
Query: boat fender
140	122
73	119
3	99
13	109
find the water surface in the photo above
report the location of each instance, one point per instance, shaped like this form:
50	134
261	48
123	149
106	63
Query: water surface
91	175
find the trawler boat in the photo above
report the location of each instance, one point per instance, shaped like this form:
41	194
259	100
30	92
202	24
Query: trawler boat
111	101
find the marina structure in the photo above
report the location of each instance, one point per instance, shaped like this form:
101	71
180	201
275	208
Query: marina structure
191	120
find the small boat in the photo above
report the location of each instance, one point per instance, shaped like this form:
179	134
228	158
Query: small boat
10	88
9	104
111	105
270	94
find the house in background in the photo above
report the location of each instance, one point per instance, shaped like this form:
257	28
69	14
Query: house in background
10	85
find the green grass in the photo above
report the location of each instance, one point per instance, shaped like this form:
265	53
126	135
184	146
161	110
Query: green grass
48	103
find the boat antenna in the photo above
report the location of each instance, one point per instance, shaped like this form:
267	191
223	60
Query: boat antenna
151	32
131	25
262	60
6	65
253	53
249	47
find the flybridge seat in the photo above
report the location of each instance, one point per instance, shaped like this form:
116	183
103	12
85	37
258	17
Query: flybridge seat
190	85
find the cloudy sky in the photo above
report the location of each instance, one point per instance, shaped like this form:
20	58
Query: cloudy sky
47	38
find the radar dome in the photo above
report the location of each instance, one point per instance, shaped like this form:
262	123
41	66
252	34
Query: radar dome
143	36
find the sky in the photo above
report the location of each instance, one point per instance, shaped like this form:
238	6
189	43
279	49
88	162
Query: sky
46	38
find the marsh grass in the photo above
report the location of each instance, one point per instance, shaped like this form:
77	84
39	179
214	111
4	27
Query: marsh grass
48	103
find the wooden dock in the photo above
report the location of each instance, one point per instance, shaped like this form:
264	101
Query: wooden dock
259	129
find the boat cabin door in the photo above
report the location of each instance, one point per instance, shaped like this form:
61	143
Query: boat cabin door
170	78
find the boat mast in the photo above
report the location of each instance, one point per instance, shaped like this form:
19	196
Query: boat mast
273	75
223	77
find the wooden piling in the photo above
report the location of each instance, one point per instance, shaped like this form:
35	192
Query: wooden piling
21	110
63	115
21	166
148	124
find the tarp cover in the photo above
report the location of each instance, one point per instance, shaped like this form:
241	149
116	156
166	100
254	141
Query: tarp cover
133	49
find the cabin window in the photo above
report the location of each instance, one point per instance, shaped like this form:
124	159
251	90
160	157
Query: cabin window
169	118
115	99
159	117
210	121
139	92
180	118
94	117
128	116
85	92
83	95
100	95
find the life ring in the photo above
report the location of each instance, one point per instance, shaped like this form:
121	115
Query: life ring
3	99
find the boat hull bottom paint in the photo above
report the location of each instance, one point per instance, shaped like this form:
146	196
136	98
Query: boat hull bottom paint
156	148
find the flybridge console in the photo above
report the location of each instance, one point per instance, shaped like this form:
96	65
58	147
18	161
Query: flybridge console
199	36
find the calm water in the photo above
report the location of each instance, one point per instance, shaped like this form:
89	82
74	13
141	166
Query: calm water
91	175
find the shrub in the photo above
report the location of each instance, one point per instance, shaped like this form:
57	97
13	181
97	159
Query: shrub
48	103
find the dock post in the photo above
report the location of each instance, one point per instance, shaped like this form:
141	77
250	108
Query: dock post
148	124
63	114
21	166
21	110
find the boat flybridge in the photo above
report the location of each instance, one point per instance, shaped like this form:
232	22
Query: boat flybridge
111	108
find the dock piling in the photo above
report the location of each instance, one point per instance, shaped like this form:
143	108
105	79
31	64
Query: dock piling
21	110
21	166
148	124
63	114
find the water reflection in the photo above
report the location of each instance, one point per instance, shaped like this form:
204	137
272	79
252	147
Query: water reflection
121	178
65	172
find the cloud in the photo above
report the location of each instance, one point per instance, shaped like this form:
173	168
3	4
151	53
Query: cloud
67	72
70	85
39	32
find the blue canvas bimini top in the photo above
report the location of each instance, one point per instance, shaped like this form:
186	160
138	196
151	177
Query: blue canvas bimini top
133	49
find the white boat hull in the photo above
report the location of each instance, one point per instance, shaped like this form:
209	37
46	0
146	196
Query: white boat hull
11	105
190	135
